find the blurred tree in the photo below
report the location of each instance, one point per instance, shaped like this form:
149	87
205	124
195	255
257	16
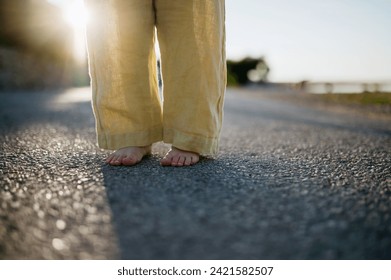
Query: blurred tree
247	70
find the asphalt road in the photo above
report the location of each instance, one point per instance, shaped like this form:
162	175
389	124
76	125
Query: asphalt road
291	182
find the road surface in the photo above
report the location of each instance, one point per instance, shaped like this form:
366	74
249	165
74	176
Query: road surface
291	182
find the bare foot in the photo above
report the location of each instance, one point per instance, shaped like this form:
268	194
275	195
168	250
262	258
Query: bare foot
128	155
177	157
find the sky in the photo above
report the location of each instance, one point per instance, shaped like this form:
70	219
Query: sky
333	40
315	40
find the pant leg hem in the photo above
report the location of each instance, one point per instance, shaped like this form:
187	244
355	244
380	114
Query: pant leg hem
195	143
143	138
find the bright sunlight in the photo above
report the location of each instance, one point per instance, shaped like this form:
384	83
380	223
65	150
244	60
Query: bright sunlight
76	15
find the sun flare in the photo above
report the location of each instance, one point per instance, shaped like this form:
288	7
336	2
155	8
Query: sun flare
76	15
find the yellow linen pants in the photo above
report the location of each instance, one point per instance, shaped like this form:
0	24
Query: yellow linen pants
122	62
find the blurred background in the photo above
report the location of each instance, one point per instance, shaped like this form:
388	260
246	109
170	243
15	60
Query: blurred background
42	44
335	46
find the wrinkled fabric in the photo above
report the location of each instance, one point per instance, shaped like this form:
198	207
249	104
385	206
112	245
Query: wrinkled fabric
122	62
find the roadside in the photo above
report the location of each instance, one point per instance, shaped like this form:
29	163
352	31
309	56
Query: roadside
372	105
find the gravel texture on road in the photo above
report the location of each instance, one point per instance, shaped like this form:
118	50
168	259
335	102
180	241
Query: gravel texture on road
291	182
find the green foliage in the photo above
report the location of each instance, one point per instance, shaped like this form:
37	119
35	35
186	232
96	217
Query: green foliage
231	79
238	71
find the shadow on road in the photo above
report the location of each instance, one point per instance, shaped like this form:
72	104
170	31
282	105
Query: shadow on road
221	210
208	211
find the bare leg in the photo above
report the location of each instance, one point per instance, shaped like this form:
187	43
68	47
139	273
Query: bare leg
128	156
178	157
